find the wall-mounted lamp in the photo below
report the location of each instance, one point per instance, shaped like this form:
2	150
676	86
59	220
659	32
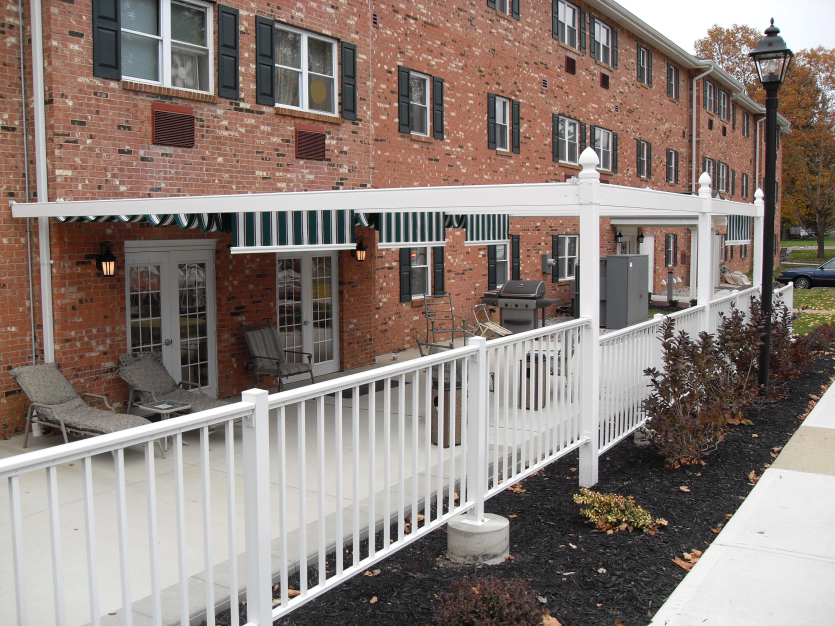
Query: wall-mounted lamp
619	237
359	253
640	238
106	262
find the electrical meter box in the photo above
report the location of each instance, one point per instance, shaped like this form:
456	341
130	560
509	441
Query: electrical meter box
623	290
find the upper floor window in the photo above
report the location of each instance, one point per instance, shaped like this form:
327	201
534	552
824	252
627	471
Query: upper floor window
709	96
722	176
567	23
569	138
502	264
745	186
508	7
670	250
566	256
602	144
724	105
420	274
502	123
644	160
644	63
602	48
419	103
673	81
305	70
746	124
672	166
167	42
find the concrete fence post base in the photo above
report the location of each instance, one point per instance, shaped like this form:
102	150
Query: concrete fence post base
488	542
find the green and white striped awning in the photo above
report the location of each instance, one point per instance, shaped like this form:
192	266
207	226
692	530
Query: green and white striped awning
207	222
292	231
487	229
410	229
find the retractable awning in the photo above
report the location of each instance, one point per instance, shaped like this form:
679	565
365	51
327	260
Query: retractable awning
292	231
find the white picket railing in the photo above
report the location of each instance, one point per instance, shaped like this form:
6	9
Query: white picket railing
334	476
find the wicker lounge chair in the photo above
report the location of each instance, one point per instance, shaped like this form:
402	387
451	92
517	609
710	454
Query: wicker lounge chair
269	356
55	403
150	382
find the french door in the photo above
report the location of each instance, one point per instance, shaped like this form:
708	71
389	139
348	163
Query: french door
307	308
171	311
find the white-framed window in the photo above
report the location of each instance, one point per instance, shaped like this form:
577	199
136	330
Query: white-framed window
673	81
722	176
419	103
745	185
670	250
566	256
502	264
603	45
502	123
709	166
569	139
746	124
710	96
642	64
643	160
504	6
567	23
305	70
421	276
168	43
724	108
601	142
672	166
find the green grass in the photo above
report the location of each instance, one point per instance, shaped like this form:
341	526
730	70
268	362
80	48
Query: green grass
806	322
828	241
818	299
810	256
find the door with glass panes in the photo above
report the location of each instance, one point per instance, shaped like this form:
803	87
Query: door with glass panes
171	311
307	309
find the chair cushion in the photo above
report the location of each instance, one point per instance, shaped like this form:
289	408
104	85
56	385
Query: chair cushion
44	384
285	369
148	373
198	401
79	416
264	342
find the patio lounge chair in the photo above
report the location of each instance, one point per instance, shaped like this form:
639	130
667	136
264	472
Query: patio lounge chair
150	382
54	402
269	356
484	326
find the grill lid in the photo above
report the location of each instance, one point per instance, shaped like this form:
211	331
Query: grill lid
523	289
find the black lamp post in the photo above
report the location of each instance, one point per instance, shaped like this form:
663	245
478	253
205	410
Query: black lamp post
772	59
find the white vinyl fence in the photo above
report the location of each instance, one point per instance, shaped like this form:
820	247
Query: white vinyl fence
306	488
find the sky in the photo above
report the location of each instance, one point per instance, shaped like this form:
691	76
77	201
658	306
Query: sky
802	23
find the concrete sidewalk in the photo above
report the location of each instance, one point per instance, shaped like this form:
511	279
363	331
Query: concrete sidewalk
774	562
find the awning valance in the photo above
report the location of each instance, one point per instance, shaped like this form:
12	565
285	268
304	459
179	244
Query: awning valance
486	229
207	222
405	230
292	231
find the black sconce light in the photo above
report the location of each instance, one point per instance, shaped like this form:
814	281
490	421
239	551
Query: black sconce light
619	237
359	253
640	238
106	261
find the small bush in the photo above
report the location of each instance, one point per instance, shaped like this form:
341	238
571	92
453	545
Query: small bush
611	513
818	340
741	341
688	408
489	601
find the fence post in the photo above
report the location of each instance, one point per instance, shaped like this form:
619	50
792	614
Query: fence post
256	456
759	231
477	385
657	348
704	281
589	199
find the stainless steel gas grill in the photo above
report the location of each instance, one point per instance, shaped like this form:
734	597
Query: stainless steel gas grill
518	302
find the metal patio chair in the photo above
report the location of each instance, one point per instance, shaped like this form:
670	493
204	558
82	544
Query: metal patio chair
441	321
55	403
149	381
484	326
270	358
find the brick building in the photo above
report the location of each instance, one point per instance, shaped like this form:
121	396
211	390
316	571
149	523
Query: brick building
168	98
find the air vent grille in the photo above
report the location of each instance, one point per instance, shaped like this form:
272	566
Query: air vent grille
173	125
310	143
375	20
570	65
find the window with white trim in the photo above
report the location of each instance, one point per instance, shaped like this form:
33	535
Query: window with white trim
421	276
569	139
567	23
502	264
722	176
502	123
746	124
642	64
168	43
673	81
710	96
709	166
672	166
643	161
603	42
305	70
745	185
419	103
504	6
567	257
601	142
670	250
724	105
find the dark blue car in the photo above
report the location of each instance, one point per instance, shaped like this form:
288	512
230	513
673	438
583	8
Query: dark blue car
808	277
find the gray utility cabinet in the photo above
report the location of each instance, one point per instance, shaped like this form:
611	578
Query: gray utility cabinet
623	290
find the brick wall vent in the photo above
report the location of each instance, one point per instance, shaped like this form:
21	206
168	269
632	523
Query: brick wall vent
604	81
617	108
544	83
173	125
375	20
310	143
570	65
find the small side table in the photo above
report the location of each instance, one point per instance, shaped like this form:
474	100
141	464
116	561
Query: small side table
165	410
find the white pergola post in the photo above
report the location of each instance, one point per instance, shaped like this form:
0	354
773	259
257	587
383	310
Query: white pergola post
694	268
759	231
589	200
704	280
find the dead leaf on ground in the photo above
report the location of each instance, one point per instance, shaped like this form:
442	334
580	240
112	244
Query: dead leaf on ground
618	623
376	572
728	515
684	489
753	478
517	488
573	469
292	593
814	397
513	516
549	620
755	436
509	558
373	600
716	530
683	564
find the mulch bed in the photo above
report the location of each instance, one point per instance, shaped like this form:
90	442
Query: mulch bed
587	578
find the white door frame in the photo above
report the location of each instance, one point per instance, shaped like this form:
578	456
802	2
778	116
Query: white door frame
167	254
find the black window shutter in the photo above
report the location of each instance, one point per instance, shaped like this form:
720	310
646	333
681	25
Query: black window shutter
667	250
675	249
491	4
438	271
491	267
704	94
517	127
614	49
514	10
649	68
583	143
556	253
733	109
349	81
228	51
405	275
516	258
438	107
640	70
491	121
555	137
560	144
638	158
678	81
582	31
264	61
403	99
676	158
107	46
592	40
669	80
555	23
704	164
733	182
591	136
649	160
615	153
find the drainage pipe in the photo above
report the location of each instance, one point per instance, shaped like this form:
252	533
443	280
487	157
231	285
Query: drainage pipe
47	334
693	117
26	179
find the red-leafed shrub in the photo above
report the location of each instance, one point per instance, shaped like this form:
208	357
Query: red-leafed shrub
489	601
